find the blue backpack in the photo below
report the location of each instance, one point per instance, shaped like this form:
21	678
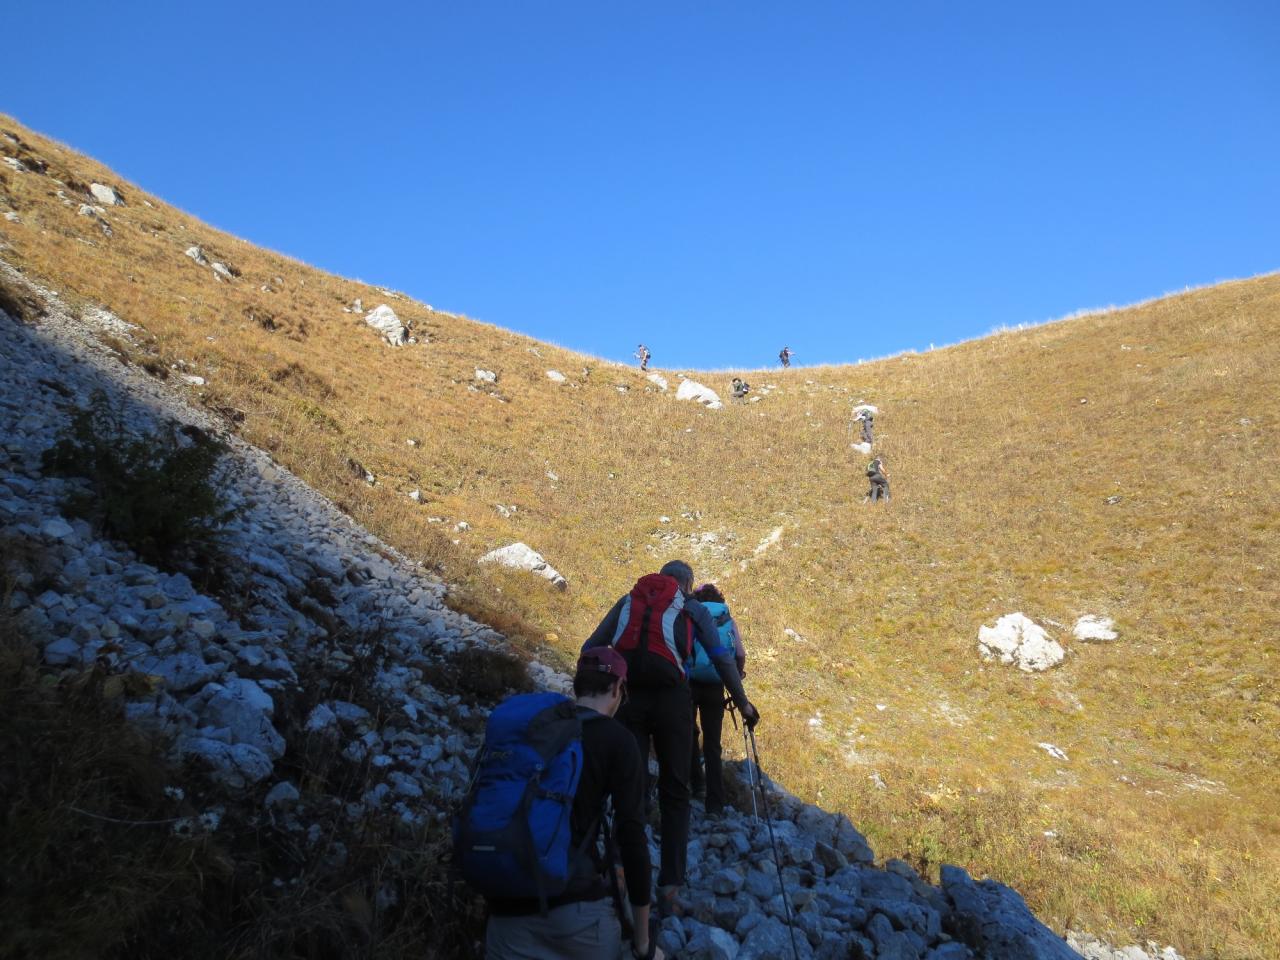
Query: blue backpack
703	670
512	835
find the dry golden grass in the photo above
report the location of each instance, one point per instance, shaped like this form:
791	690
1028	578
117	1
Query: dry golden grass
1162	821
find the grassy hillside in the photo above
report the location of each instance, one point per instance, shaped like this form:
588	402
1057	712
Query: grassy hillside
1005	454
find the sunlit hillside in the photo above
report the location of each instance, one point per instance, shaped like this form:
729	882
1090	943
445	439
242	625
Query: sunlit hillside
1123	463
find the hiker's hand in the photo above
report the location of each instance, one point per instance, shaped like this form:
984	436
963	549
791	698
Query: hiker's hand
651	950
750	716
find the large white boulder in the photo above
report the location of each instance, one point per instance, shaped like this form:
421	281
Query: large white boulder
105	195
1094	627
658	380
244	710
1018	640
692	390
520	556
383	319
235	764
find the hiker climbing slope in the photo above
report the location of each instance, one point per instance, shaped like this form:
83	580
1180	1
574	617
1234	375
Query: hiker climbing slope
740	388
581	919
879	481
655	627
866	418
785	355
642	354
708	698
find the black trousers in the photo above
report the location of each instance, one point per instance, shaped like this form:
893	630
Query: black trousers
708	705
879	490
663	717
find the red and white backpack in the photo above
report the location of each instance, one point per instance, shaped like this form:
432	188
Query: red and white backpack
652	635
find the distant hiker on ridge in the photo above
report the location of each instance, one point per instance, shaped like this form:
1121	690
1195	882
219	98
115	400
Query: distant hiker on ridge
865	417
740	388
879	481
708	699
655	627
785	356
643	355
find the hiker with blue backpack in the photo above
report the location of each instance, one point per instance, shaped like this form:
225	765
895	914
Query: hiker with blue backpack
655	627
708	699
529	831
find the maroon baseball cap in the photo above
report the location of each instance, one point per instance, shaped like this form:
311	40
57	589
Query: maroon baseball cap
603	660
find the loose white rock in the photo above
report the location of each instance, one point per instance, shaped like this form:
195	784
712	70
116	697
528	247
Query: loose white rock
555	376
1094	627
520	556
57	529
105	195
692	390
486	376
658	380
862	447
383	319
283	794
196	254
244	709
1018	640
1056	752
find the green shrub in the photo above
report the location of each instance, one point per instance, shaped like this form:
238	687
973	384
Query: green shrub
155	492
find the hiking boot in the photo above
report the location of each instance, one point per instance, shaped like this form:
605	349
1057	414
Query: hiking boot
669	903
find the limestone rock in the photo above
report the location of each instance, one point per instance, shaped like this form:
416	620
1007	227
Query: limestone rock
692	390
555	376
486	376
383	319
197	254
520	556
1018	640
105	195
1095	628
658	380
236	765
283	794
244	709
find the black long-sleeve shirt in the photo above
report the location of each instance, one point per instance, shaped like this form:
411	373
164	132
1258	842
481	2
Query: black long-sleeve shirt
704	632
611	769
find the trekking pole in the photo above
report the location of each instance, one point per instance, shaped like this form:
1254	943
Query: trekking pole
746	757
773	842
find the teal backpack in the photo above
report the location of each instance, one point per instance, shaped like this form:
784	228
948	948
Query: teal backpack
704	671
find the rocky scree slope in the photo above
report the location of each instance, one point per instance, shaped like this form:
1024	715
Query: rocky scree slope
313	591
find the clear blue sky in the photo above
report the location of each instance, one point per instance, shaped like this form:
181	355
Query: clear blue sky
714	178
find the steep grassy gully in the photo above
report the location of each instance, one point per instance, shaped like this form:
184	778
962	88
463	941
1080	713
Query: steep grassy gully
1006	454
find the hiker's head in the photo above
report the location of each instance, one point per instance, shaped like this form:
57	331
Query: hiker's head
602	673
708	593
680	572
